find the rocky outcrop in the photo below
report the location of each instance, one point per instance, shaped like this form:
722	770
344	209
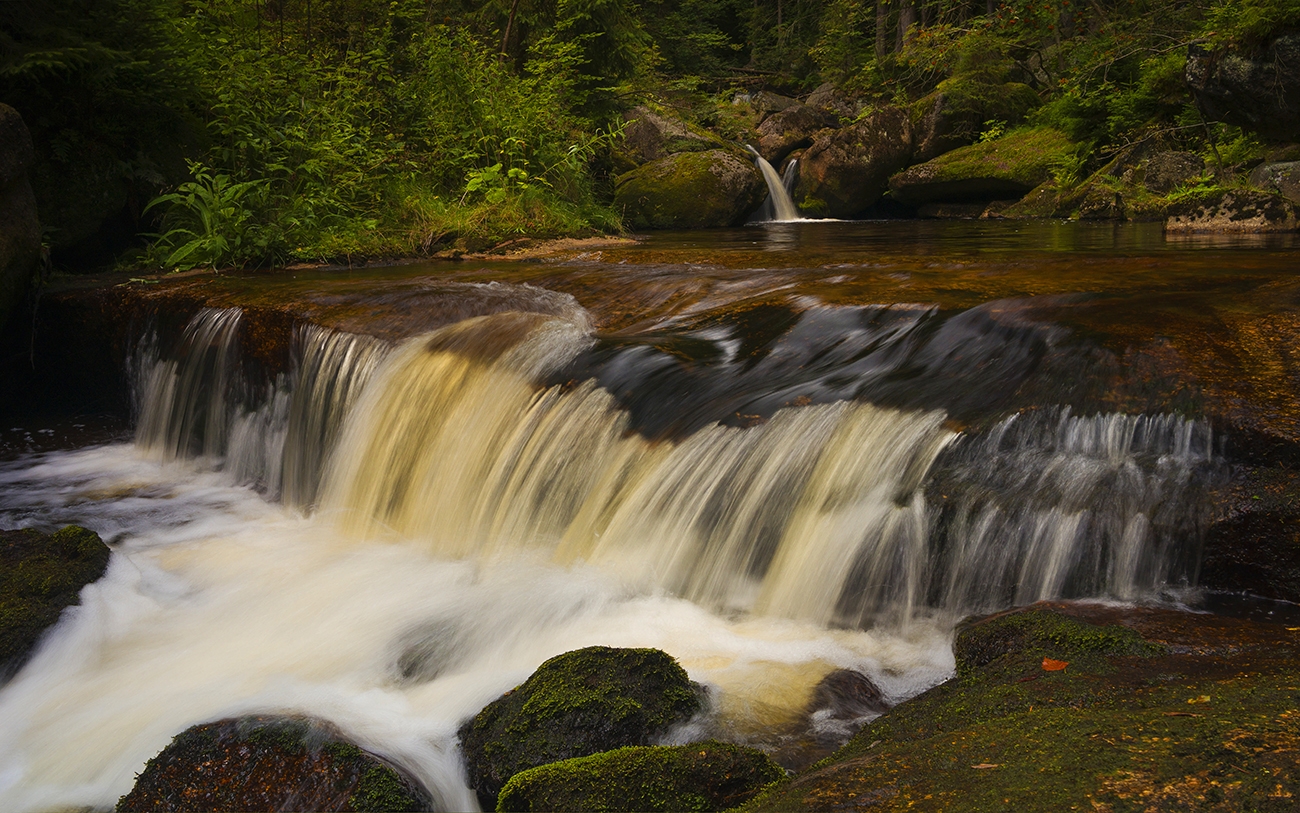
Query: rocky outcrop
576	704
955	113
650	136
1233	212
1064	705
40	576
692	190
847	170
830	98
1282	178
704	776
792	128
1259	93
20	228
1164	172
269	763
1253	544
1003	169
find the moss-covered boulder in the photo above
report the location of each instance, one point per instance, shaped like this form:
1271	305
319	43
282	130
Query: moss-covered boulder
1001	169
579	703
20	229
1257	90
847	170
650	135
1082	706
690	190
1232	212
792	128
955	113
40	575
704	776
269	763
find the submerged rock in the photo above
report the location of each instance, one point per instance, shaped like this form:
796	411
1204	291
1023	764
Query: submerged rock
1258	92
847	170
692	190
704	776
576	704
1059	706
269	763
1006	168
20	229
40	575
1233	212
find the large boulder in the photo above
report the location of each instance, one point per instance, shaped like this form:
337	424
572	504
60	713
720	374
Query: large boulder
650	135
691	190
1282	178
954	114
1002	169
792	128
1233	212
20	228
1260	93
832	99
847	170
576	704
703	776
41	575
269	763
1165	171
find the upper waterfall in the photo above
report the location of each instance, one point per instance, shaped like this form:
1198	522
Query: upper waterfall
779	206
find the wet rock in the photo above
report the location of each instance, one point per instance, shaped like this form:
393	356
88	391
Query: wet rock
651	135
767	102
1062	705
703	776
1101	202
790	129
1253	544
576	704
847	695
954	115
269	763
695	190
20	229
1282	178
40	575
952	211
847	170
1003	169
1233	212
1257	92
1164	172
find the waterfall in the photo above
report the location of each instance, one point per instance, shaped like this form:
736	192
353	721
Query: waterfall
779	206
841	513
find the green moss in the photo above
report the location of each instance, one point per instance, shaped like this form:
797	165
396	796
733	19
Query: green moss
689	190
40	575
576	704
1031	635
1024	156
698	777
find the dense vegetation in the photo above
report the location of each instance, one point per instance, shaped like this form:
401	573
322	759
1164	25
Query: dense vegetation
247	132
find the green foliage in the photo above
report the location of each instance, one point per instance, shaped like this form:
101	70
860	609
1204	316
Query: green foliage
1250	22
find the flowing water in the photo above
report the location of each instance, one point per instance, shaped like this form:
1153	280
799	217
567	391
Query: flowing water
769	469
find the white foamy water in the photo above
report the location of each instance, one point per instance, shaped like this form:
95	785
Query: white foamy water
218	603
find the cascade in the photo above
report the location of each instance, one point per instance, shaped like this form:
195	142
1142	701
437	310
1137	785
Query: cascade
779	206
841	512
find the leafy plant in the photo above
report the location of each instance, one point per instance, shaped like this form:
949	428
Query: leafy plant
208	220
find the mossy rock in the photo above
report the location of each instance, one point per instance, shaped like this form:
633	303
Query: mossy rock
651	134
269	763
576	704
1155	709
1005	168
704	776
954	114
847	170
40	575
691	190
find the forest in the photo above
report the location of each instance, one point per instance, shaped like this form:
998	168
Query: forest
172	134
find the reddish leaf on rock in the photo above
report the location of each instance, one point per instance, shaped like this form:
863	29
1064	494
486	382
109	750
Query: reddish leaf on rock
1050	665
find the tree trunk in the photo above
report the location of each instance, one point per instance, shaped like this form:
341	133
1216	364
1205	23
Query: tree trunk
906	19
882	28
510	23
